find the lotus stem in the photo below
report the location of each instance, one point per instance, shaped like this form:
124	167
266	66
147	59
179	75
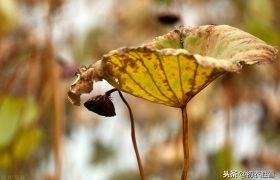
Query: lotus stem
108	93
133	135
185	143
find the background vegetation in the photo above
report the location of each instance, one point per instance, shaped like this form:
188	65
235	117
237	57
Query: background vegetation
234	123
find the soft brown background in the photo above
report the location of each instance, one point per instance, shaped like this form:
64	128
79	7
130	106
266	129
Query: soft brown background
234	123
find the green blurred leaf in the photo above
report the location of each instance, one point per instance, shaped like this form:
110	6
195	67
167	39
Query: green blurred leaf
219	162
127	175
8	12
102	153
14	113
9	118
259	20
26	143
5	160
29	114
263	30
262	10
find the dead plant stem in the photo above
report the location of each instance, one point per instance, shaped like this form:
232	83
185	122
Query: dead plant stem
133	136
185	143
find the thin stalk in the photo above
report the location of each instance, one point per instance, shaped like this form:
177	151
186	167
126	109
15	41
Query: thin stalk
133	135
108	93
176	159
227	143
185	143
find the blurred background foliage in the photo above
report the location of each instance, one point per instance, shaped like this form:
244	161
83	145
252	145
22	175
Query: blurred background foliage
234	123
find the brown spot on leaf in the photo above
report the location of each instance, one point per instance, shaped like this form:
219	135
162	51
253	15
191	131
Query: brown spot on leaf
204	73
156	66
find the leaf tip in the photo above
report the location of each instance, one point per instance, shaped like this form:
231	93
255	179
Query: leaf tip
84	82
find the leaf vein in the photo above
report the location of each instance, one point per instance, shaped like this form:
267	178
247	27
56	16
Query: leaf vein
151	76
139	85
169	86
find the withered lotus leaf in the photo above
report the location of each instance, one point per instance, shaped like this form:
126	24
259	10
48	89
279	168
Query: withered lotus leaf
172	68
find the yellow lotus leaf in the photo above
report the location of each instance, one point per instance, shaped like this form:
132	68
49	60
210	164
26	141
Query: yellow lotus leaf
172	68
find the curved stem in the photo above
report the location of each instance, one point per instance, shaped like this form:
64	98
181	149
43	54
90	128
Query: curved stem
185	143
177	152
108	93
133	136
